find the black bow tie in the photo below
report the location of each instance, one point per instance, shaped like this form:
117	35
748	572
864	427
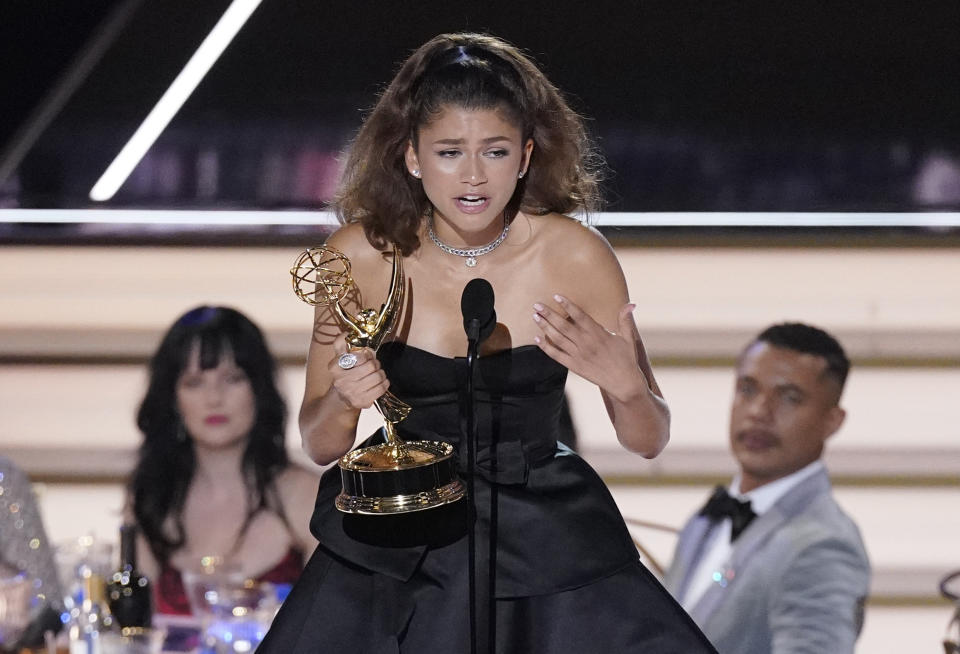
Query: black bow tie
721	505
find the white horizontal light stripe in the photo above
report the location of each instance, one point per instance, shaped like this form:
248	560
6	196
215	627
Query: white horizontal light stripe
778	219
611	219
173	98
166	217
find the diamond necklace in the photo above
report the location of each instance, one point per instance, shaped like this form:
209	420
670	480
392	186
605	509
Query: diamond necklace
470	254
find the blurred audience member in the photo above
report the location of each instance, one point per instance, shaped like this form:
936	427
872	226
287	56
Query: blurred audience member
937	183
25	559
213	478
775	565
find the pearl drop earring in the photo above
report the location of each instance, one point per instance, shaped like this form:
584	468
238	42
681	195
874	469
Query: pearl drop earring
415	172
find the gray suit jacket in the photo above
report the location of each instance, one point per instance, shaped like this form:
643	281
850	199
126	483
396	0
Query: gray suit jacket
796	583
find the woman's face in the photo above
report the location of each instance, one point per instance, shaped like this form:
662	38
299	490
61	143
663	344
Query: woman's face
217	405
469	161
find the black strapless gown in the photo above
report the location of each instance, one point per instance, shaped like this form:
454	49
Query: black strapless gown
555	563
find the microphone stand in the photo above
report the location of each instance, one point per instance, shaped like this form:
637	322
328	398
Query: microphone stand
479	320
469	420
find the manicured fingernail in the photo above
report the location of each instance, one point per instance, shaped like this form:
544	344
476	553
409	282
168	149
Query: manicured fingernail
537	317
538	306
559	298
536	339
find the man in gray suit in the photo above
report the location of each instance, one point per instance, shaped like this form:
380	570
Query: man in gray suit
774	565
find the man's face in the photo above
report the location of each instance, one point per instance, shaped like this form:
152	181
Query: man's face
784	409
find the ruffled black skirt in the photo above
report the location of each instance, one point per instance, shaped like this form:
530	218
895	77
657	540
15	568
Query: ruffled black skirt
340	606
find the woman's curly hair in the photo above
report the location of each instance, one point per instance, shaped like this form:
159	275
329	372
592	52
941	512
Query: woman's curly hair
471	71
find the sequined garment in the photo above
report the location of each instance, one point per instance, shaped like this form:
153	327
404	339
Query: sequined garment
23	542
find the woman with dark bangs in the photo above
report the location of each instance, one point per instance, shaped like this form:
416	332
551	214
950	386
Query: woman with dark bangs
468	165
213	478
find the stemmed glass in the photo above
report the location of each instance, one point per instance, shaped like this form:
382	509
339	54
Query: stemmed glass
234	612
79	558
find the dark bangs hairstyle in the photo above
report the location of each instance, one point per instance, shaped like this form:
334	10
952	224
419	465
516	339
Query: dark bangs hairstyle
166	463
808	339
469	71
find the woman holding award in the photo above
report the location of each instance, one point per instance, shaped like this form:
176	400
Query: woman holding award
464	169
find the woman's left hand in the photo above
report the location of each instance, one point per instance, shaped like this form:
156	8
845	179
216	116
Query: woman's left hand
609	360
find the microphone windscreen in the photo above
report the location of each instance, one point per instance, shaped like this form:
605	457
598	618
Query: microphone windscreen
476	304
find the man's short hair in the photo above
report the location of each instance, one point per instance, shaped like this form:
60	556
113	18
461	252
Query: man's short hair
807	339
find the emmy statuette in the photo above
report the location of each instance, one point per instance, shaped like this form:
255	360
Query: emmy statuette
396	476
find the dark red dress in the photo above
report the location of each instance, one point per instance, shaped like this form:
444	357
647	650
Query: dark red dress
170	594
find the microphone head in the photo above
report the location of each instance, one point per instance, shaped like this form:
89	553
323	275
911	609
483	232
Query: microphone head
476	304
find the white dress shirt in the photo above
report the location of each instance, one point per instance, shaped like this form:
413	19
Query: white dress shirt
718	548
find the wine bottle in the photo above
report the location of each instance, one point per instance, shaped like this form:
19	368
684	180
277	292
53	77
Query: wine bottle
128	591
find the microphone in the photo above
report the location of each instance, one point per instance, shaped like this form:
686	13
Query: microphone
476	304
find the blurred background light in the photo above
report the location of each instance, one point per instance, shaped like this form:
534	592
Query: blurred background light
169	104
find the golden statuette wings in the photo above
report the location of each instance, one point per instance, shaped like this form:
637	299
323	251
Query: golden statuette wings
321	277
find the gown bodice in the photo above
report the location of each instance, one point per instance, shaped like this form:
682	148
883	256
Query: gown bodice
519	399
553	522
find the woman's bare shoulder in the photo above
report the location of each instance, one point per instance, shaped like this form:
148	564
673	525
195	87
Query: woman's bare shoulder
296	479
370	266
297	487
577	241
577	261
351	240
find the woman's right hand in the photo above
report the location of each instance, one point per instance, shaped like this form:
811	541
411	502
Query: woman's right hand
359	386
